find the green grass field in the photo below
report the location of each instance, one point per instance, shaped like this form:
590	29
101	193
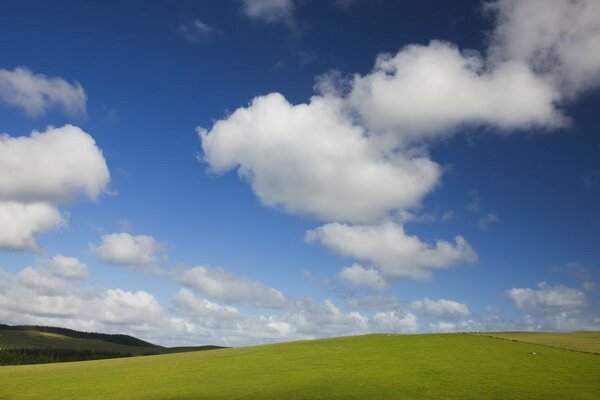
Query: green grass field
445	366
576	341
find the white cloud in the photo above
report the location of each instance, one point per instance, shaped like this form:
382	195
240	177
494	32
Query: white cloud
442	326
484	222
395	322
126	249
202	308
54	166
37	93
391	250
43	295
223	285
21	222
357	275
117	306
440	308
194	30
270	11
423	92
68	267
547	298
559	39
311	159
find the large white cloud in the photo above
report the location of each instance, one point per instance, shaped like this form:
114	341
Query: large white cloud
37	93
126	249
54	166
391	250
311	159
559	39
41	171
423	92
19	223
547	298
223	285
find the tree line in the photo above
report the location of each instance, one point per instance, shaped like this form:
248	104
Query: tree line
18	356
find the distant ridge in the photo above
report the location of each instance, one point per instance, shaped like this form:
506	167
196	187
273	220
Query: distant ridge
34	344
125	340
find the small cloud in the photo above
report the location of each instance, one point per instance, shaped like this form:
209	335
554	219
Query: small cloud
588	285
447	216
357	275
547	298
125	249
223	285
442	307
270	11
484	222
578	270
195	30
36	94
474	204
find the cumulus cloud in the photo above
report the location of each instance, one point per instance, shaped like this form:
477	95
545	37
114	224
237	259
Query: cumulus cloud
117	306
21	222
357	275
271	11
349	153
423	92
54	166
126	249
39	172
394	253
311	159
68	267
547	298
395	322
559	39
440	308
45	294
223	285
36	94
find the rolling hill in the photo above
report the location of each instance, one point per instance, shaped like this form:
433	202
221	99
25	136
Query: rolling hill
102	345
419	367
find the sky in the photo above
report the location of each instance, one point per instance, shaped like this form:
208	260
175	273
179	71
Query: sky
249	171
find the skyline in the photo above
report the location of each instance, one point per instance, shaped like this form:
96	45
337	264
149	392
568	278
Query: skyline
248	171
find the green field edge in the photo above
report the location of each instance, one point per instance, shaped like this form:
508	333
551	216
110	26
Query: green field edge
491	335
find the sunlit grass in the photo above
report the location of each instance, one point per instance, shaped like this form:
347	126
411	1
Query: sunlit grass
451	366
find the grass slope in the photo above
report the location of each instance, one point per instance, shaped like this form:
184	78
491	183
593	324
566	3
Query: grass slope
588	342
419	367
34	337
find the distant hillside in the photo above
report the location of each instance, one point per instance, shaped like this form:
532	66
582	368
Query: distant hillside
111	338
39	344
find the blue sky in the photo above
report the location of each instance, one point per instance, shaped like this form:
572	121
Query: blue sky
246	171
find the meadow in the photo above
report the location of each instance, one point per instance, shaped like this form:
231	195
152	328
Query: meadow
434	366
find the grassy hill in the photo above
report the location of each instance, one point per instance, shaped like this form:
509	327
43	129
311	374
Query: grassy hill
588	342
419	367
107	345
